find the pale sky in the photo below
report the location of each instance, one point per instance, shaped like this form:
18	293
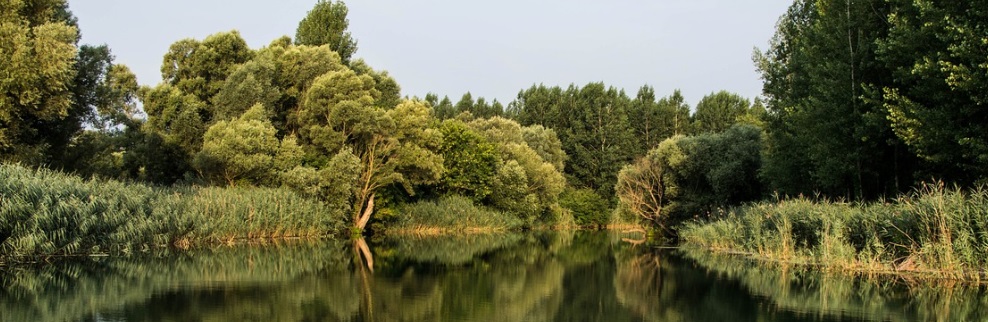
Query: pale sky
490	48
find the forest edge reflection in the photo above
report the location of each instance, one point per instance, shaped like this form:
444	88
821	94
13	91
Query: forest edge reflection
536	277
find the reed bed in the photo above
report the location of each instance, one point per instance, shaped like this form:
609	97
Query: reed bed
47	213
935	231
452	214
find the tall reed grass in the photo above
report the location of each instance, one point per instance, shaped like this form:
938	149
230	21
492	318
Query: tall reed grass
934	231
451	214
45	213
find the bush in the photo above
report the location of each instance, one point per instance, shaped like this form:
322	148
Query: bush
588	208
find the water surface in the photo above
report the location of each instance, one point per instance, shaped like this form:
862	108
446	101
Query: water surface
567	276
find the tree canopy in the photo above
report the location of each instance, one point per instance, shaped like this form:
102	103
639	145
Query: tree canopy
326	24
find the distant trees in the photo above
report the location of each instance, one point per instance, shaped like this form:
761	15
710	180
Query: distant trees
718	111
445	109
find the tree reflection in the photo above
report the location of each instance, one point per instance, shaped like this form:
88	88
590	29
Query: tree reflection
510	277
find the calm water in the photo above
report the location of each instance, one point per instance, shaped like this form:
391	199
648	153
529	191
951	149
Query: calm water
514	277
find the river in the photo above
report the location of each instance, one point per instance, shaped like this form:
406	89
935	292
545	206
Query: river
559	276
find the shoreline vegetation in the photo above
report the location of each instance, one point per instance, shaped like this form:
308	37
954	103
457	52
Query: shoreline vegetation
935	232
301	139
44	213
48	214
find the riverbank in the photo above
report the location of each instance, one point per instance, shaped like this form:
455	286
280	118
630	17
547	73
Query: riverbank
934	232
45	213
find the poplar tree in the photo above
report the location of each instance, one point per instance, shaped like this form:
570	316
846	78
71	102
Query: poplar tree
326	24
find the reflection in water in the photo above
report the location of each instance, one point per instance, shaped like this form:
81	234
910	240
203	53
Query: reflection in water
508	277
801	290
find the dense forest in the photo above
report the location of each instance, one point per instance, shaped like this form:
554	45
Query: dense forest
862	100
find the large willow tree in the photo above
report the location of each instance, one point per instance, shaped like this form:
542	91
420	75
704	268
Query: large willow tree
396	146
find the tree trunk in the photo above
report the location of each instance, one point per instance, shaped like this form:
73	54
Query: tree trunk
365	217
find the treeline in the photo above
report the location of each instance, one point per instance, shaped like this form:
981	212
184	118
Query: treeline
862	99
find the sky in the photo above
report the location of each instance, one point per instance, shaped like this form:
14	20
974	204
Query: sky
492	49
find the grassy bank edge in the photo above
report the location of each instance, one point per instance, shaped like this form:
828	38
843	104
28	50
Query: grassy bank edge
932	233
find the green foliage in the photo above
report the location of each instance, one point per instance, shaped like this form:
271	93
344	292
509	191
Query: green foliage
469	159
688	177
39	46
48	213
326	24
588	208
453	213
525	184
718	111
176	116
246	150
334	183
200	68
546	143
936	101
394	146
592	124
933	230
384	83
444	109
826	134
249	84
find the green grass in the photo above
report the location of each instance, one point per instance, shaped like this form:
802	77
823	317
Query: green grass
452	214
46	213
934	231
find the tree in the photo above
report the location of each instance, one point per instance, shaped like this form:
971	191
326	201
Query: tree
469	159
176	116
647	115
296	68
326	24
104	113
39	46
201	68
394	146
246	149
936	103
718	111
249	84
827	134
599	137
465	104
525	184
390	91
676	115
545	142
445	109
645	187
689	176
